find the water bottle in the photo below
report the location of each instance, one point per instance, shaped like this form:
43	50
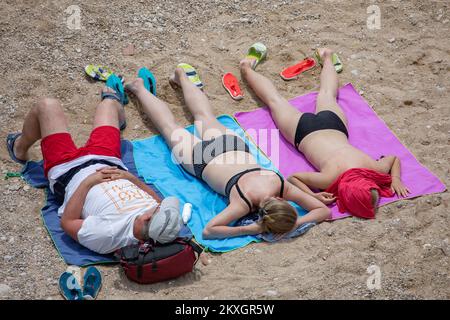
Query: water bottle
186	215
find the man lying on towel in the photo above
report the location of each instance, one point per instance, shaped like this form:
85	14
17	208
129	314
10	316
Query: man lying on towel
104	207
346	173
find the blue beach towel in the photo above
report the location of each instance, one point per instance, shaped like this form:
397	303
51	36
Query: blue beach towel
71	251
154	163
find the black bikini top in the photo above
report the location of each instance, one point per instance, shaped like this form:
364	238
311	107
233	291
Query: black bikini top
243	197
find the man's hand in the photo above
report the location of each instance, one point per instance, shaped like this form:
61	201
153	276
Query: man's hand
399	188
115	173
97	177
325	197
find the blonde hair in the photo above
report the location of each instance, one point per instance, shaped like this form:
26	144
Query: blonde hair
277	216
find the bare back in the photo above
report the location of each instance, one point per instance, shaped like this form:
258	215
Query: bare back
223	167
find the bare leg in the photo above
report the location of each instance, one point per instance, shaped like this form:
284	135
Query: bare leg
109	112
179	139
198	104
326	100
45	118
286	117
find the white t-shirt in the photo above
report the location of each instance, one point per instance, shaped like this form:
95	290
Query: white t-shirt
109	210
109	213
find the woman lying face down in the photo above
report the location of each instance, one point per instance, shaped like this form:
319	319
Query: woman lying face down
223	160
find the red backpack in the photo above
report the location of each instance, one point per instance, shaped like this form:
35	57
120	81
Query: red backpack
150	262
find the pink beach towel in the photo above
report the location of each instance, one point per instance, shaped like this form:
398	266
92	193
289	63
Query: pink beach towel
366	132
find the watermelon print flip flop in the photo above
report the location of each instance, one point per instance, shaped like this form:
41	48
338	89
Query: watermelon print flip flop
231	84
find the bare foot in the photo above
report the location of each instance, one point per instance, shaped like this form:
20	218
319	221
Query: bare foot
175	78
247	62
325	52
205	258
20	152
135	85
106	89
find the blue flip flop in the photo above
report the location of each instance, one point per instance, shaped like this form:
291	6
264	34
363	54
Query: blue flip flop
92	283
149	80
115	83
69	287
10	140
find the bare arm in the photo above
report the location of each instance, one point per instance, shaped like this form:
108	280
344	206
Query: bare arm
71	221
385	164
317	210
391	164
312	178
307	180
297	181
218	227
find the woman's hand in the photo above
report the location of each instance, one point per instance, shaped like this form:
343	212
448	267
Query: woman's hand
115	173
325	197
399	188
254	228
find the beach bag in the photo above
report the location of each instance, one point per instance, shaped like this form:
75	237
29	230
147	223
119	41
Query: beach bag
149	262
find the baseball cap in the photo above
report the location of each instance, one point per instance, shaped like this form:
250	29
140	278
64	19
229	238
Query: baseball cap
166	222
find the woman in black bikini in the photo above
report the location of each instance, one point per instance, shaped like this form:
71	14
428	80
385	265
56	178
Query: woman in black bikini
223	161
322	137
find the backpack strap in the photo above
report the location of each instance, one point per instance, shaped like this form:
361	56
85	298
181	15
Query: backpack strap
140	263
196	247
144	248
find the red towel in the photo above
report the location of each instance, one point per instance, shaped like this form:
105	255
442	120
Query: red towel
352	190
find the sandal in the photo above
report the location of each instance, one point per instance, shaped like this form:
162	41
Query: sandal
10	140
92	283
149	80
192	75
115	83
119	95
257	51
100	73
97	72
69	287
231	84
294	71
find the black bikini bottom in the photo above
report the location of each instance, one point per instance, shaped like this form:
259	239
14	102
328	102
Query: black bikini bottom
310	122
205	151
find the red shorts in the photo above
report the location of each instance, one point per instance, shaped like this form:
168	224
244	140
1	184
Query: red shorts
59	148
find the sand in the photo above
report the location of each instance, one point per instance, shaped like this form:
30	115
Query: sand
401	69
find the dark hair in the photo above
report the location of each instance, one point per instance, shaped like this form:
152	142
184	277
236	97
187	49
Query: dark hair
375	197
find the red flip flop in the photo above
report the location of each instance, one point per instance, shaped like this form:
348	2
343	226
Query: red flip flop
292	72
231	84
